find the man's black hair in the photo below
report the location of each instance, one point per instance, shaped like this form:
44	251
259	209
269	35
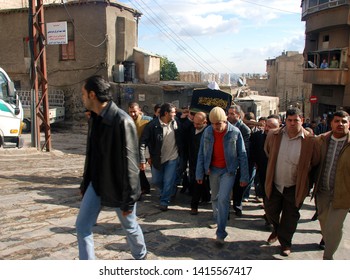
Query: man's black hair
100	86
294	111
166	107
340	113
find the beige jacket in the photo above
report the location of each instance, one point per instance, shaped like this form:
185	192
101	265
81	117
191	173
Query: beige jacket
309	157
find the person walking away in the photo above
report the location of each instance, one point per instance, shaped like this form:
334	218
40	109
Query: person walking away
221	152
332	188
111	173
140	122
163	137
291	153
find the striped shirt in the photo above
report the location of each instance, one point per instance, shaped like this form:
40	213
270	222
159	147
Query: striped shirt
334	148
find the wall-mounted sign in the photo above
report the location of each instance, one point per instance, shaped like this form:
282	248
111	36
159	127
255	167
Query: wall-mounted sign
57	33
142	97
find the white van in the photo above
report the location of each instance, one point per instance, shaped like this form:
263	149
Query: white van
11	113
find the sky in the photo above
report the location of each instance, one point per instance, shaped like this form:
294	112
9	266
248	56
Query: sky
220	36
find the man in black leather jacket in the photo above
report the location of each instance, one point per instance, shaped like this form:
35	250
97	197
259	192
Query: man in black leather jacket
111	173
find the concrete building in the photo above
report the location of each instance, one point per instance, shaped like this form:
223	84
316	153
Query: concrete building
191	76
200	77
285	80
102	39
261	106
259	84
327	30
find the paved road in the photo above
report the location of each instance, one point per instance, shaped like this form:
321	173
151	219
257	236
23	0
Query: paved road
39	202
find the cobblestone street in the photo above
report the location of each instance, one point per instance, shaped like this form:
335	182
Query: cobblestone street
39	201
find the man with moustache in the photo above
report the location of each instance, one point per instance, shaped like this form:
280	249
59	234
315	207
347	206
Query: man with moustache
332	188
292	153
195	135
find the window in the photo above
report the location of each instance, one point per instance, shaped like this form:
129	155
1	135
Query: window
323	2
68	51
312	3
3	82
26	47
326	38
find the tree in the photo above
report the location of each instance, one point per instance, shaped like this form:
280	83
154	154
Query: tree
168	70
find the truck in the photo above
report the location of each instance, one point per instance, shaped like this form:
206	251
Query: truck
56	107
11	113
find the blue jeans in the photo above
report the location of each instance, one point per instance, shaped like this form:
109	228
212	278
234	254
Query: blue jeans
89	210
165	178
221	183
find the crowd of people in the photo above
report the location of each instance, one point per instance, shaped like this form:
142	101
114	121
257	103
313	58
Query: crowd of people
217	157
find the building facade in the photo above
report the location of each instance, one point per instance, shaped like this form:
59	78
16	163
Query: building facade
327	30
285	80
102	39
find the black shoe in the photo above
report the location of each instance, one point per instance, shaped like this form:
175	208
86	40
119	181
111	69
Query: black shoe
163	208
272	238
285	251
238	211
145	191
219	242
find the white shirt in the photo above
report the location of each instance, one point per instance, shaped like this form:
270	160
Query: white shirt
287	161
169	148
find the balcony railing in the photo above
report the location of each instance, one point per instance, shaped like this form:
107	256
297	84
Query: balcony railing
313	6
329	76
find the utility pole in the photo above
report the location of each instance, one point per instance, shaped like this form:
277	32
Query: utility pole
40	102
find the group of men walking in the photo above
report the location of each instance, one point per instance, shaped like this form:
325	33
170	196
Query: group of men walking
224	154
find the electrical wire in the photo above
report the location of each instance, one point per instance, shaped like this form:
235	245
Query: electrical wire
75	28
165	25
269	7
194	39
168	32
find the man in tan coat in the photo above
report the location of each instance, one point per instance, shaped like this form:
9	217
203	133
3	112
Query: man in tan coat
291	153
332	189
